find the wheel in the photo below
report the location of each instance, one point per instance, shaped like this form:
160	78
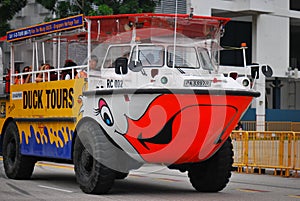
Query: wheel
213	174
91	149
121	175
16	165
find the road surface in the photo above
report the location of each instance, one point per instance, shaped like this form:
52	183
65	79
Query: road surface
51	181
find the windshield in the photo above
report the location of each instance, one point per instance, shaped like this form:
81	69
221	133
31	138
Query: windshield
185	57
115	52
149	55
206	62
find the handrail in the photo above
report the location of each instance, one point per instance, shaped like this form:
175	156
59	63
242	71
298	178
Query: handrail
48	71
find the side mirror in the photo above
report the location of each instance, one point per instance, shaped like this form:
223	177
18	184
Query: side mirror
121	66
255	72
135	66
267	71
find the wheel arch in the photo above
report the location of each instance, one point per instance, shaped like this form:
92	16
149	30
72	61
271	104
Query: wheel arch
128	161
81	121
7	121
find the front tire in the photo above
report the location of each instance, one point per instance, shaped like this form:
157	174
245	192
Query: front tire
90	150
16	165
213	174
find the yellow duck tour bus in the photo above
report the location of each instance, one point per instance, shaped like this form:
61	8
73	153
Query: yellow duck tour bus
147	90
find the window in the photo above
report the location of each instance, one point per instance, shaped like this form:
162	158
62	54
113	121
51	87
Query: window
185	57
115	52
205	60
149	55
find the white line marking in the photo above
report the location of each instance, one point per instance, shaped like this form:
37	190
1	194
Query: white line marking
57	189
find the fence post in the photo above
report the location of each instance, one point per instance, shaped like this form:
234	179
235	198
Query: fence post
280	151
295	145
287	172
254	139
246	149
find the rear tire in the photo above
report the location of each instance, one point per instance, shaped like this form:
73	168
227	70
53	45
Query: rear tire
90	150
16	165
121	175
213	174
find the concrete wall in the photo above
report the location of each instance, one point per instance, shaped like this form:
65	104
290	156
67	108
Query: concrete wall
31	14
271	41
271	44
271	23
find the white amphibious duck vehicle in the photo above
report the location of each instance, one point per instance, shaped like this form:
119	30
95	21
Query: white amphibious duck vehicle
151	93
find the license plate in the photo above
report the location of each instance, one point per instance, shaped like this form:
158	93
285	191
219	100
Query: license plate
197	83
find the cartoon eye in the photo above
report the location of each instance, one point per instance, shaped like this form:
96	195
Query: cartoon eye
106	115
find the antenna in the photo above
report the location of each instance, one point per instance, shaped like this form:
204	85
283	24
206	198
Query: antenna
191	12
244	47
99	29
118	26
1	65
175	35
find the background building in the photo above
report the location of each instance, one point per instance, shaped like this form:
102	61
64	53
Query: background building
269	27
32	13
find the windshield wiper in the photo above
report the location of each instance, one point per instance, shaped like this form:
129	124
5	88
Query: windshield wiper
180	70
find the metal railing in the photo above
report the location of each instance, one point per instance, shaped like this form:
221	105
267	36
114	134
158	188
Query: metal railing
273	126
44	73
278	150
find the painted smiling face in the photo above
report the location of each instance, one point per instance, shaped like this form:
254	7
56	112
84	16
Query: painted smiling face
173	128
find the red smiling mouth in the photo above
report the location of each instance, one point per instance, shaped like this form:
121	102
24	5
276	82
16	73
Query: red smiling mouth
181	128
163	137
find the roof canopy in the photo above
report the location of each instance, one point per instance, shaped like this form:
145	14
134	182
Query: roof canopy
105	27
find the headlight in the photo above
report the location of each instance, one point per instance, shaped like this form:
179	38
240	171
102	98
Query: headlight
164	80
244	81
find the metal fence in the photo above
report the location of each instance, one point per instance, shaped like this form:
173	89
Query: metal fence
273	126
278	150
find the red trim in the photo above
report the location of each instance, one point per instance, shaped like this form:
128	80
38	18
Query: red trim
196	26
3	38
225	20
